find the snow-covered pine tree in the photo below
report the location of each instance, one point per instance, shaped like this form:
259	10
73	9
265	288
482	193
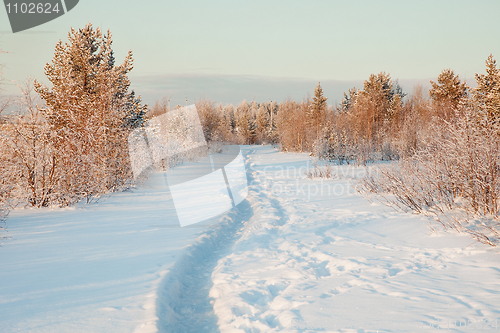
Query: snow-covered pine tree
135	111
375	106
91	111
448	93
272	131
317	109
348	100
487	93
245	124
395	107
262	120
224	129
254	109
378	90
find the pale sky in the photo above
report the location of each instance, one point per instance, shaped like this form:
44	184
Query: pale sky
230	50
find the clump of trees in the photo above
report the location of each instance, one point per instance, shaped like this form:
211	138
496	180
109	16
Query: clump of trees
294	126
369	120
454	173
363	128
71	144
247	123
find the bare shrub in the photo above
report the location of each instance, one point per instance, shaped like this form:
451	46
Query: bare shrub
159	108
28	159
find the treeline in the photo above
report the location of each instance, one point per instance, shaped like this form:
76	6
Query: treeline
377	122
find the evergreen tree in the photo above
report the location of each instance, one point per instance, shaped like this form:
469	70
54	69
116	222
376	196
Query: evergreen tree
372	111
84	76
373	107
271	132
397	90
378	90
262	119
91	111
338	147
317	109
395	107
348	100
449	90
245	124
487	93
224	129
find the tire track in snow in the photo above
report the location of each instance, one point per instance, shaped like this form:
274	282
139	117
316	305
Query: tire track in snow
183	303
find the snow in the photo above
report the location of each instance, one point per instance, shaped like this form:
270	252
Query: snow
298	255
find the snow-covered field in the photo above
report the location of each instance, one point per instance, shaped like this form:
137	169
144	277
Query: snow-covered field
299	255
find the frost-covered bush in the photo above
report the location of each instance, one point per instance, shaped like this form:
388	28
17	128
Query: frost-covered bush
27	158
322	150
455	176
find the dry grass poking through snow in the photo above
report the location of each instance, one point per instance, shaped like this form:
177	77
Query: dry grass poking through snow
320	171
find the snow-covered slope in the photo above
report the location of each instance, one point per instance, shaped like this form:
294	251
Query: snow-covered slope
299	255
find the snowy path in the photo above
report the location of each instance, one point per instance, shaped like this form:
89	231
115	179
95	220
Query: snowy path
299	255
309	262
183	297
184	304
